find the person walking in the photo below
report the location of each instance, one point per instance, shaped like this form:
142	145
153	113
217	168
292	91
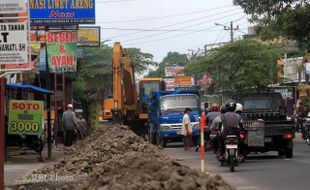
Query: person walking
82	126
187	130
69	124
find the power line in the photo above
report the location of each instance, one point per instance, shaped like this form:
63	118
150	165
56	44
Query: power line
178	23
162	17
174	36
207	21
117	1
151	30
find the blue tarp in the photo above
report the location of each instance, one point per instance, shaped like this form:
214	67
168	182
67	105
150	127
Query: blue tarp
29	87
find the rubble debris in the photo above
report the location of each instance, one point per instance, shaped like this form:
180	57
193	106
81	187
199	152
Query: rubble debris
114	158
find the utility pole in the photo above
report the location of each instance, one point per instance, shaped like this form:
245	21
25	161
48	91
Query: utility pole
230	28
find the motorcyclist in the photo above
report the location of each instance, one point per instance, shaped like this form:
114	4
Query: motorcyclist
216	129
231	123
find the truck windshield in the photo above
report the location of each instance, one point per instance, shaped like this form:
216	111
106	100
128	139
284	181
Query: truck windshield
265	104
178	103
150	86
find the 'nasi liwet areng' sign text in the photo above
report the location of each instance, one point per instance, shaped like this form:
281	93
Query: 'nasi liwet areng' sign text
62	12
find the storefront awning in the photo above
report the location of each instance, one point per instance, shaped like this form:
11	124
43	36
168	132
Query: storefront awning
29	87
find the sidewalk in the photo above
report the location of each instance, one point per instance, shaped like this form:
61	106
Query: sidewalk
20	166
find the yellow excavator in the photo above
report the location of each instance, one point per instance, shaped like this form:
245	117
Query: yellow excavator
127	106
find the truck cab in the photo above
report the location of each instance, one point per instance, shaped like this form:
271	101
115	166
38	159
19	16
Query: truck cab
166	113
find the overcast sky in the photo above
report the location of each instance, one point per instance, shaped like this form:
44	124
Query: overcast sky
176	25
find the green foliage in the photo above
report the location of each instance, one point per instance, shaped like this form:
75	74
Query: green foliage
141	60
280	18
171	59
239	65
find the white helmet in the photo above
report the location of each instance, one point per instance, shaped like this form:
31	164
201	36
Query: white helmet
239	107
70	106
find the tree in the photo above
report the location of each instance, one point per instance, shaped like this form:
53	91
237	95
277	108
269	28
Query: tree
284	18
240	65
171	59
141	60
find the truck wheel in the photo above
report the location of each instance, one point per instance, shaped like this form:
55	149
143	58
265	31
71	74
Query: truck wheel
289	153
289	149
152	138
281	153
161	141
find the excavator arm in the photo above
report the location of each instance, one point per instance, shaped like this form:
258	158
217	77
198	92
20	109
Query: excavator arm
125	100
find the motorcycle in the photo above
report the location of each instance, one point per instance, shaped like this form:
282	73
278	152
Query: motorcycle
231	151
232	157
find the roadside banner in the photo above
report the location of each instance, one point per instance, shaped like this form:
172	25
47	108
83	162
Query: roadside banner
12	6
62	12
25	117
88	36
173	71
13	43
170	84
184	81
61	51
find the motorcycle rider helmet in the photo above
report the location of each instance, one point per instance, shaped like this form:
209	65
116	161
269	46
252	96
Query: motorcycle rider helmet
215	107
239	108
231	106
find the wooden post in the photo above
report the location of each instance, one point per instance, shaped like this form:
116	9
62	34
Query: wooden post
2	129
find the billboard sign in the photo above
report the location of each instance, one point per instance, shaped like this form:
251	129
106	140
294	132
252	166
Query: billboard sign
286	92
62	12
292	67
184	81
13	43
61	51
25	117
12	6
170	84
173	71
88	36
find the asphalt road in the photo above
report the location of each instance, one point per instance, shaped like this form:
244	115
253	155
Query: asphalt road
259	172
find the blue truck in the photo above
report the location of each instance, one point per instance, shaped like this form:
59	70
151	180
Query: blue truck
166	111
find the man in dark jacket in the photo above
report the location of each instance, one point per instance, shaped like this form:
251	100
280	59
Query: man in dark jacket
69	124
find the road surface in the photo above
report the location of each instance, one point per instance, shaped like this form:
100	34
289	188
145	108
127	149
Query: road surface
259	172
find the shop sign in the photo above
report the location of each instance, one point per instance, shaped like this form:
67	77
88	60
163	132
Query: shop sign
25	117
61	51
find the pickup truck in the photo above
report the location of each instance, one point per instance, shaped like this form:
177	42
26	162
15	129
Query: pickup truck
166	112
267	126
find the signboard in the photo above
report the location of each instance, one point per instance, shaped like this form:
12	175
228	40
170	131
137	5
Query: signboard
286	92
291	68
62	12
13	43
173	71
307	65
184	81
61	51
88	36
12	6
169	84
25	117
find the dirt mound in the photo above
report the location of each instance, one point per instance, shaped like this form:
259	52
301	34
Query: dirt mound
115	158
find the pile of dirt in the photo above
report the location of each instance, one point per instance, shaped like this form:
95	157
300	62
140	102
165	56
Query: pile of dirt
117	159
